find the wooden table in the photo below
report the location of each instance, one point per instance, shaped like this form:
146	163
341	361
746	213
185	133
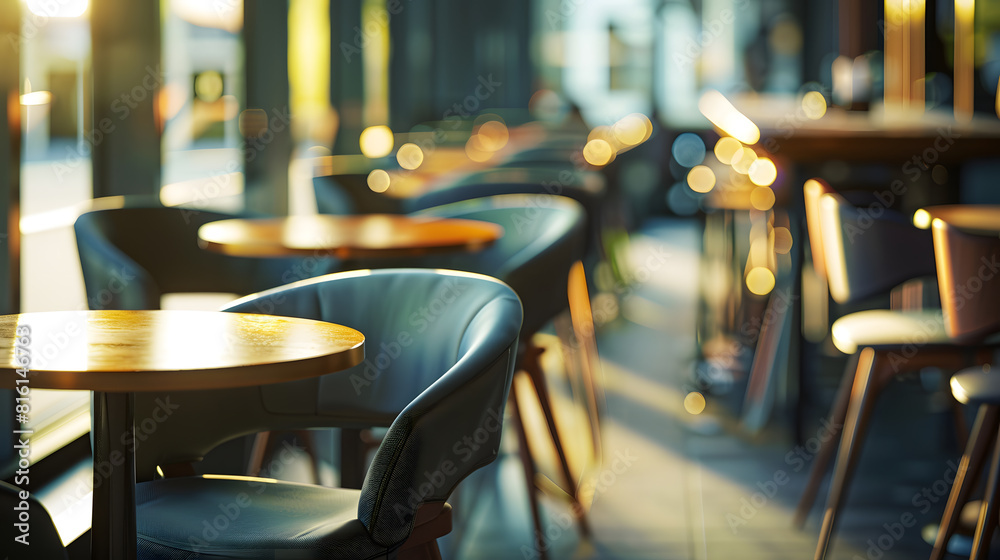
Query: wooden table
346	237
118	353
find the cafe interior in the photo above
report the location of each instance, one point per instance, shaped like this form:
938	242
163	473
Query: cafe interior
531	279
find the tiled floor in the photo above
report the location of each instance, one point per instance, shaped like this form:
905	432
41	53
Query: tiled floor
697	487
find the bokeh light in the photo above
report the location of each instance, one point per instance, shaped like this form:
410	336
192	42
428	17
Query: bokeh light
701	179
492	136
763	172
378	181
694	403
598	152
410	156
760	281
813	105
922	219
743	159
688	149
782	240
762	198
208	86
726	148
376	141
631	129
717	109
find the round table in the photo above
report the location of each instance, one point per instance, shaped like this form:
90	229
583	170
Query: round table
117	353
347	237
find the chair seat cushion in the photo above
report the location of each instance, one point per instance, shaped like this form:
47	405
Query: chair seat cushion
976	385
246	517
879	328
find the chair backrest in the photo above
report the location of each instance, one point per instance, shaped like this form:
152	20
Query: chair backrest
868	249
968	280
586	187
25	518
440	348
133	254
543	236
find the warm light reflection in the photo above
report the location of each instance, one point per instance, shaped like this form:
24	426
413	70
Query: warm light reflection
631	129
922	219
474	150
598	152
782	240
222	15
57	9
760	281
492	135
694	403
410	156
376	141
763	172
726	148
378	181
36	98
727	118
964	58
743	159
762	198
701	179
814	105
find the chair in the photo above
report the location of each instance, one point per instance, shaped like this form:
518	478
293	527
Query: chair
543	239
865	252
441	348
972	309
134	251
586	187
43	540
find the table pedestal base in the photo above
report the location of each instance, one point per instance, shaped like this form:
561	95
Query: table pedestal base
113	529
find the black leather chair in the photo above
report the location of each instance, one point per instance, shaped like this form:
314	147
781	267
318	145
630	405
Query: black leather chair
441	350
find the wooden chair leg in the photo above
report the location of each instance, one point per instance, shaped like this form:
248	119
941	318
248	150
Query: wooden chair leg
257	453
961	426
867	383
826	451
980	441
529	474
988	514
532	366
308	441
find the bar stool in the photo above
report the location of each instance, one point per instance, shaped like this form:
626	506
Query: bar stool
967	250
864	254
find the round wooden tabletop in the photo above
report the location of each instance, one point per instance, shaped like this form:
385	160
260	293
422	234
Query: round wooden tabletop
973	218
346	237
131	351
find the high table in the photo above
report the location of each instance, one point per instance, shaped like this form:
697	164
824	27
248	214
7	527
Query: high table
117	353
356	236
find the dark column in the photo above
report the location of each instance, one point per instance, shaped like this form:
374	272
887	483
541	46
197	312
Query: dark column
10	157
266	122
347	73
125	141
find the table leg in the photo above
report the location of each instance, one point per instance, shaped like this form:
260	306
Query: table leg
113	529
